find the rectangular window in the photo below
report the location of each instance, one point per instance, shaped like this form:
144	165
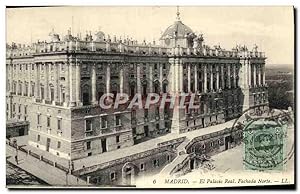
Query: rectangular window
133	114
142	167
58	144
103	122
48	121
117	138
88	125
118	120
38	119
168	158
88	145
62	68
155	163
157	111
157	126
38	138
113	176
25	110
32	89
19	108
63	97
59	124
134	130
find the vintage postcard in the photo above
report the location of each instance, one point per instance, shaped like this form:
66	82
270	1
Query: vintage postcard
150	97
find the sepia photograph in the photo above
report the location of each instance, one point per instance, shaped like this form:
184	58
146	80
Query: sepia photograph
150	97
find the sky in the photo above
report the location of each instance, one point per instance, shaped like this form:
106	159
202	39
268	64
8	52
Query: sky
271	28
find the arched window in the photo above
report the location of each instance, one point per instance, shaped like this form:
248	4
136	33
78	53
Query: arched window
114	89
165	86
20	88
15	87
63	94
42	92
132	89
26	89
200	86
32	89
192	87
100	90
144	89
51	93
156	87
85	95
185	86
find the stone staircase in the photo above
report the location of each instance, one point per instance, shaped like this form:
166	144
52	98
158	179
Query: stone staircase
181	158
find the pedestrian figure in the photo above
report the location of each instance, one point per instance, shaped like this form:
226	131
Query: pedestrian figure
16	159
72	167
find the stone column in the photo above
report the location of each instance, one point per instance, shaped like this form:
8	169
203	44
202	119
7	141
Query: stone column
150	78
72	84
264	75
246	74
56	82
222	76
23	83
218	74
211	78
234	76
228	76
174	74
37	81
11	68
259	75
67	85
160	76
189	77
205	78
108	78
94	82
180	76
138	78
78	84
196	78
250	74
46	70
254	75
29	80
122	79
60	86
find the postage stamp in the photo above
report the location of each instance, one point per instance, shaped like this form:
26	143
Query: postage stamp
265	140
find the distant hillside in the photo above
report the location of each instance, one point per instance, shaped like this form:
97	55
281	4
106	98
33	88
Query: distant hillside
279	69
283	67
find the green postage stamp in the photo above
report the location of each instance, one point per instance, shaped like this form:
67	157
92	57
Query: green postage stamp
264	144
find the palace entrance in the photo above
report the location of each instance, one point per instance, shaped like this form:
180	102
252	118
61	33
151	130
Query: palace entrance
129	173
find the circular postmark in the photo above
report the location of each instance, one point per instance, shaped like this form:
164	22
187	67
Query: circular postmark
267	139
263	144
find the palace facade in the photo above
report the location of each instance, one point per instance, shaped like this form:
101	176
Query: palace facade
56	85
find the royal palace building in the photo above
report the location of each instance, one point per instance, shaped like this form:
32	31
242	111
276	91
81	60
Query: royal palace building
56	86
